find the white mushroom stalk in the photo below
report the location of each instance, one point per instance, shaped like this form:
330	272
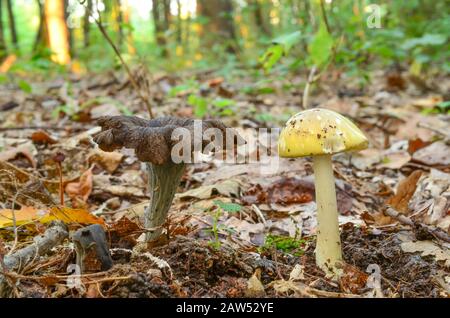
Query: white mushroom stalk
328	246
320	133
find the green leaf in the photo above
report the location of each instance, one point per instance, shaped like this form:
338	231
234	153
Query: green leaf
174	91
3	78
272	55
223	102
321	46
25	86
127	26
229	207
288	40
425	40
200	105
443	106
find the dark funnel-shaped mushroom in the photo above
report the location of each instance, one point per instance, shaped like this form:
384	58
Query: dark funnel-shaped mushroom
161	143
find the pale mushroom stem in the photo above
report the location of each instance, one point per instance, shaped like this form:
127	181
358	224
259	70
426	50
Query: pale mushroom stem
328	246
163	181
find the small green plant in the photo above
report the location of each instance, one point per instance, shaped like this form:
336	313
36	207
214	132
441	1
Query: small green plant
441	108
218	106
25	86
285	244
72	109
216	226
189	86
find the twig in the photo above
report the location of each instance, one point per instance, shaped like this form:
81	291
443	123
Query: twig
324	15
438	131
310	81
40	127
98	22
434	231
52	237
259	213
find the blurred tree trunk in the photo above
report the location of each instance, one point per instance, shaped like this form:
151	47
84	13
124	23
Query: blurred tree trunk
166	7
161	16
260	19
119	21
87	24
12	23
179	23
69	30
57	35
220	22
3	51
126	19
39	39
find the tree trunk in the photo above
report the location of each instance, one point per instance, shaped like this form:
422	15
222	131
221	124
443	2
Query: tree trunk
163	181
128	35
12	23
69	30
179	23
3	51
261	22
166	7
57	33
220	22
118	10
87	24
39	39
160	25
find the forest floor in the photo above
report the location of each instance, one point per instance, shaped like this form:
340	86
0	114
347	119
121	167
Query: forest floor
266	246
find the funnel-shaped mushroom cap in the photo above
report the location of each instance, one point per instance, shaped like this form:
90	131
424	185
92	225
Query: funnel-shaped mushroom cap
317	132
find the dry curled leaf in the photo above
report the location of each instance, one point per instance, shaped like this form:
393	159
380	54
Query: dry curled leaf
42	137
81	189
108	160
405	191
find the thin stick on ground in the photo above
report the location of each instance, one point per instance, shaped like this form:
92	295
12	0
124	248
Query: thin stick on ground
433	231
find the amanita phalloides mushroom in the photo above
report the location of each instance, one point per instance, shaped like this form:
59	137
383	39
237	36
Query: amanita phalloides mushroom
152	141
321	133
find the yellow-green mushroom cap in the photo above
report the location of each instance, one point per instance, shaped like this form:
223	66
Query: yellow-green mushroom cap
318	132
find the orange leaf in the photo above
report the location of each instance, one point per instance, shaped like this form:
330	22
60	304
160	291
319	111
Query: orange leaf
81	189
69	215
42	137
24	215
65	214
405	191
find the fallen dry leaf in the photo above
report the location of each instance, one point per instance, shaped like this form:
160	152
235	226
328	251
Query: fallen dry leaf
27	150
284	191
25	215
42	137
65	214
69	216
81	189
395	160
245	230
436	154
427	248
254	286
416	144
108	160
352	280
230	188
405	191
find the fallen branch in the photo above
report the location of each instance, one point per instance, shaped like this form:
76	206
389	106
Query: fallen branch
420	228
52	237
